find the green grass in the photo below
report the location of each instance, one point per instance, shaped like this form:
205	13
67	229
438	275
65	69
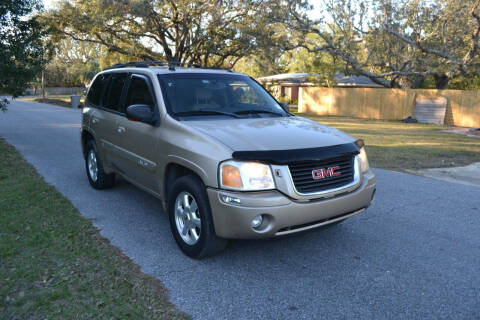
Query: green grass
55	265
407	146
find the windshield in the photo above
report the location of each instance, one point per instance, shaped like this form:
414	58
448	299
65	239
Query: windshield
217	95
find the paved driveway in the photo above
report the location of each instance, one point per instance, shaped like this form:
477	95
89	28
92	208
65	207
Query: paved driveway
414	254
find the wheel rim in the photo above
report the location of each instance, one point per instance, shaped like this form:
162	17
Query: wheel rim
92	165
187	218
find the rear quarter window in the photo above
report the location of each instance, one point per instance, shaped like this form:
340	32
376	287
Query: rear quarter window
114	93
96	89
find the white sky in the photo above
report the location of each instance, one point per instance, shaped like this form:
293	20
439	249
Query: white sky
49	4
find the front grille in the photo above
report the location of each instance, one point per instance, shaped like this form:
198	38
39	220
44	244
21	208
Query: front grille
302	174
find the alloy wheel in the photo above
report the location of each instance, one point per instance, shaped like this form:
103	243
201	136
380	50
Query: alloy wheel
187	218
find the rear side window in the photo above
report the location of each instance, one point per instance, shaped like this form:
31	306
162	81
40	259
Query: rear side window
96	89
139	93
112	99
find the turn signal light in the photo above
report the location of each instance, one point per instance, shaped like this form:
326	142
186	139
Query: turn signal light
231	177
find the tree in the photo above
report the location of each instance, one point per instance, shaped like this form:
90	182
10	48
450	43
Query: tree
72	63
282	58
21	48
398	43
267	61
214	32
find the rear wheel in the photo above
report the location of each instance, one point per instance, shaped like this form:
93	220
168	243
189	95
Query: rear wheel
191	219
95	173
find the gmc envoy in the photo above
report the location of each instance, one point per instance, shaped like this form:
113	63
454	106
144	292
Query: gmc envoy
224	157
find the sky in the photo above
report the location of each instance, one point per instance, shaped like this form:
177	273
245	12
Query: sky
49	4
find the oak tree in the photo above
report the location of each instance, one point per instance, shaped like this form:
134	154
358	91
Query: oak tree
212	32
398	43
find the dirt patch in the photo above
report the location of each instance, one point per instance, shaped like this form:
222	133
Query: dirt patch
470	132
469	175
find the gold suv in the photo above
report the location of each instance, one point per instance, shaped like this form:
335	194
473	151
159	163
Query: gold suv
224	157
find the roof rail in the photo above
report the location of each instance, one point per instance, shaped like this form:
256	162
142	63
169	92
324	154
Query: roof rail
157	63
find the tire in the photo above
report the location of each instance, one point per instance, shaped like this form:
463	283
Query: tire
100	180
199	240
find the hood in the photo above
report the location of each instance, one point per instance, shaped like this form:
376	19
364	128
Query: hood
279	133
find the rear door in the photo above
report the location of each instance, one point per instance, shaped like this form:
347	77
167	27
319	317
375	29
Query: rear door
107	113
101	123
137	140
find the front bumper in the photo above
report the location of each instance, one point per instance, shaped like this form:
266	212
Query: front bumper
283	215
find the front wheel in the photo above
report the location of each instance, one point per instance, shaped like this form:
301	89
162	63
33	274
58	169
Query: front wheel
191	219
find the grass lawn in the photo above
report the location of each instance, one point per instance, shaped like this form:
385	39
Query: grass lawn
402	146
55	265
58	99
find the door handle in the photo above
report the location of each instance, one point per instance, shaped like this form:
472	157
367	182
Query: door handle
121	129
94	120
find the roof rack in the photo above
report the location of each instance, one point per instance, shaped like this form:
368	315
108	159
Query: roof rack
156	63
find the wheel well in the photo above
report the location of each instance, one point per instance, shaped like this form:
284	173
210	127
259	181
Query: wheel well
172	173
86	136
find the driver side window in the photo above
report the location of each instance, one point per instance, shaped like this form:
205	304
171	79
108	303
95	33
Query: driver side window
139	93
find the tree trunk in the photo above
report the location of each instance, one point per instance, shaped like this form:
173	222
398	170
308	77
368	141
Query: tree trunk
418	82
441	81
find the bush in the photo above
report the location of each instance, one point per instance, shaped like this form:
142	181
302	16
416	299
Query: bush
287	100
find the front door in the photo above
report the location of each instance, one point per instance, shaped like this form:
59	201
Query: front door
137	141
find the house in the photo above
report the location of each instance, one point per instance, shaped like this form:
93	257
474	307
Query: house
287	85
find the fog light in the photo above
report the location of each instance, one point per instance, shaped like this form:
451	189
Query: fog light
257	221
230	200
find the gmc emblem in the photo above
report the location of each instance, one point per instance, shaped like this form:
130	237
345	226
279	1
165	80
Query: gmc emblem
319	174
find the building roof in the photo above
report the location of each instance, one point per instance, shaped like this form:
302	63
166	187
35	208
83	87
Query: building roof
341	79
286	77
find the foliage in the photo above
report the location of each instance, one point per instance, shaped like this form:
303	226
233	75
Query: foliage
21	48
287	100
72	63
59	74
260	65
303	60
398	43
470	81
290	58
217	33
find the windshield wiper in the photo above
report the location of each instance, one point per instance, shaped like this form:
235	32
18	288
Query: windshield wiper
204	113
256	111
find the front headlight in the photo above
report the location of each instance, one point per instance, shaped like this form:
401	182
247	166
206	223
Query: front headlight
245	176
363	160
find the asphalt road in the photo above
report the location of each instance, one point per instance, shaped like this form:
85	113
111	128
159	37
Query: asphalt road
414	254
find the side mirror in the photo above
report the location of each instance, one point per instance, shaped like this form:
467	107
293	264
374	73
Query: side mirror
140	112
285	106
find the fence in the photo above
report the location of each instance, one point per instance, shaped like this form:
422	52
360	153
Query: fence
53	90
463	107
